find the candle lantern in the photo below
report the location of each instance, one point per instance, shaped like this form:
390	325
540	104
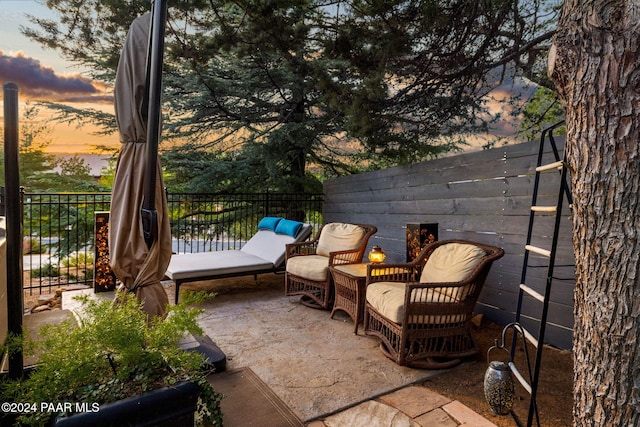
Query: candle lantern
499	387
377	254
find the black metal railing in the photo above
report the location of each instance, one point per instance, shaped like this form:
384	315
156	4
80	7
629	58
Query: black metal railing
212	222
59	235
58	232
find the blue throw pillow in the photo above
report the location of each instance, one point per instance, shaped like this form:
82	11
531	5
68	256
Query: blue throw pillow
269	223
288	227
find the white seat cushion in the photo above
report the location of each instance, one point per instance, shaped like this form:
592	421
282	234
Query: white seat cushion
203	264
311	267
337	236
388	300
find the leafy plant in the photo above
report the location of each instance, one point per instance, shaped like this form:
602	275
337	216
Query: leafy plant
79	259
88	275
45	270
33	246
542	111
114	352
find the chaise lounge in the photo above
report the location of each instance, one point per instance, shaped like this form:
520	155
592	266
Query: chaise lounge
263	253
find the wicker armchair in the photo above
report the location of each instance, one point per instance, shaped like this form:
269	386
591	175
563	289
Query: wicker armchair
422	310
307	263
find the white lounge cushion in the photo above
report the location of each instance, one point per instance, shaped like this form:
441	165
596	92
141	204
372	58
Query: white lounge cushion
337	236
203	264
311	267
264	251
388	300
270	246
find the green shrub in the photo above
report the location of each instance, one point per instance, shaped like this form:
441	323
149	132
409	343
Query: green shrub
88	275
114	352
78	260
32	246
45	270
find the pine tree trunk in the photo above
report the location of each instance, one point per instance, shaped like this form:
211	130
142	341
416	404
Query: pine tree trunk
595	64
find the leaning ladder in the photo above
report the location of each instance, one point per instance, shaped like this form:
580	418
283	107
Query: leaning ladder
531	384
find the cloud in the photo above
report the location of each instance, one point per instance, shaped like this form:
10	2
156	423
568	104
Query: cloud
36	81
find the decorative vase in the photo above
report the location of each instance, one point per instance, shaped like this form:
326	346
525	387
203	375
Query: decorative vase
499	389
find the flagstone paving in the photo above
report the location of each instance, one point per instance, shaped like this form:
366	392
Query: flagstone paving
411	406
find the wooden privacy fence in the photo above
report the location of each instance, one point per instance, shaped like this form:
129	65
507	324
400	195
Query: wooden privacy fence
481	196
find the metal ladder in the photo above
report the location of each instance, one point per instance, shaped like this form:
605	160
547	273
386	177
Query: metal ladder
533	373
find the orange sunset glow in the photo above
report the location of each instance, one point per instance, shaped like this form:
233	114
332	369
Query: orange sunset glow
37	82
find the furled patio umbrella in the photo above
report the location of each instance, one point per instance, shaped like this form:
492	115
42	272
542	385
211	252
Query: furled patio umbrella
140	253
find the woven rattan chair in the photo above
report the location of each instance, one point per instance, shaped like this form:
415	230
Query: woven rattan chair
422	310
307	263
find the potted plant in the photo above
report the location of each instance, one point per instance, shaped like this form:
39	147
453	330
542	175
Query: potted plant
113	360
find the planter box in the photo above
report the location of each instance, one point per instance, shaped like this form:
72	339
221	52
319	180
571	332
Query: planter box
169	406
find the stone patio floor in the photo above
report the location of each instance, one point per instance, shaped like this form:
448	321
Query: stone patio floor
412	406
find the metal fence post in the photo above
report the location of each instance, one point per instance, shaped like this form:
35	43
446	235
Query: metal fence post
13	224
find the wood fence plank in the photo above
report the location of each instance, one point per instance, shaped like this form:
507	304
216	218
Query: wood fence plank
483	196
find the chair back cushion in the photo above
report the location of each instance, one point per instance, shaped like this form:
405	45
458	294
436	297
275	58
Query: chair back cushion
338	236
452	262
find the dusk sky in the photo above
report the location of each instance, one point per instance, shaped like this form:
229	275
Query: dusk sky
42	75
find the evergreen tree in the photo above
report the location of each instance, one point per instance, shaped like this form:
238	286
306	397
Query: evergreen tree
37	167
286	91
76	175
540	112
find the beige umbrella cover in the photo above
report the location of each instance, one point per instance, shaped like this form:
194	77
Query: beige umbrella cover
139	268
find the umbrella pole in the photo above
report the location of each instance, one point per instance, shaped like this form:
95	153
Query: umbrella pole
13	224
154	122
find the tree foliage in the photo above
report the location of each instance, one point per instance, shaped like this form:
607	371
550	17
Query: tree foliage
38	168
41	172
540	112
297	89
